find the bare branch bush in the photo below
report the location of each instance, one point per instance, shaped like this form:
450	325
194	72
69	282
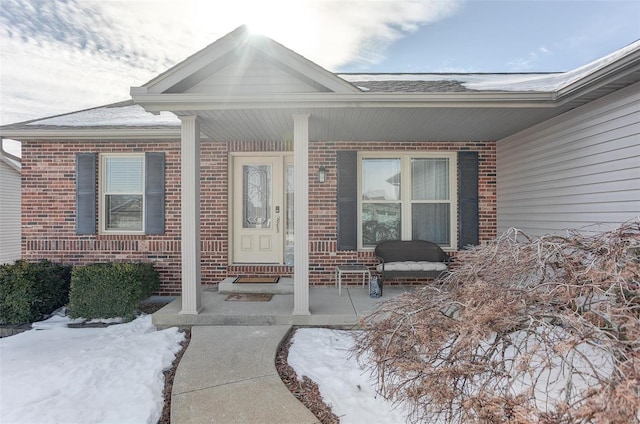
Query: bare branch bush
543	330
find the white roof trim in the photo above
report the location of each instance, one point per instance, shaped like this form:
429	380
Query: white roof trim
192	102
92	133
11	163
557	89
237	39
602	71
193	63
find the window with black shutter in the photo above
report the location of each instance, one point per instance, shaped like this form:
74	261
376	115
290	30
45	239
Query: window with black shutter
407	196
131	188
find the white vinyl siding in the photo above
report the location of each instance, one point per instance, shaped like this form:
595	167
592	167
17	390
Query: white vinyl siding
253	76
580	170
10	219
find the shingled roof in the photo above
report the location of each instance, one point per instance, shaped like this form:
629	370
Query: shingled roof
514	100
409	86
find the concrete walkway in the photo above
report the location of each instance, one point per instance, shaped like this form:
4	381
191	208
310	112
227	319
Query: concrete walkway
228	376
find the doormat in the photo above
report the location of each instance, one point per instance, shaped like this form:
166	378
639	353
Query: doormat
257	280
249	297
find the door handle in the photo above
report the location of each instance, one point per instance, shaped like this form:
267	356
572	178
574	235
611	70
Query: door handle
277	223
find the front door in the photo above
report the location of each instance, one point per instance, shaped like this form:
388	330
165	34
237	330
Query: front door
260	210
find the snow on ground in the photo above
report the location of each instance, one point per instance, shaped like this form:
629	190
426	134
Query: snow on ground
323	355
56	374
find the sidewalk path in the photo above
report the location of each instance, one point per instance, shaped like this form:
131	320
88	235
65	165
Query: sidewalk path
228	375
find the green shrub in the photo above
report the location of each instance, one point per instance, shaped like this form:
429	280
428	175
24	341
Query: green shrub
109	290
28	291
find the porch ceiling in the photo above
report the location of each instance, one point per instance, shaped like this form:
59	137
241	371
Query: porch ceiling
372	124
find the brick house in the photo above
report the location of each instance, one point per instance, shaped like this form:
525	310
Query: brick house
205	171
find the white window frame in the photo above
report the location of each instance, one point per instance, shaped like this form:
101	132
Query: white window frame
102	201
405	192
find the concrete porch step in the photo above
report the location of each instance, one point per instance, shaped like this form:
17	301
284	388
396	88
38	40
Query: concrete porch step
283	286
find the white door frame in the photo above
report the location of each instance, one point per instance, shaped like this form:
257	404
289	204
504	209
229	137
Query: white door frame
266	244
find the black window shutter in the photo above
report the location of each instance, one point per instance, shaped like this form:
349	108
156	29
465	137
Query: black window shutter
154	193
468	224
347	200
85	193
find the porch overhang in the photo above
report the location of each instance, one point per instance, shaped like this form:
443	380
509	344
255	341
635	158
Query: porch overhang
399	122
456	116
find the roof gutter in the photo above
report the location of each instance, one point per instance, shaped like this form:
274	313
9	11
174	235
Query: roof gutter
615	70
4	153
194	102
63	133
6	157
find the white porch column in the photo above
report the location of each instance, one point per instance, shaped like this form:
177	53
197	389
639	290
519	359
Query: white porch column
190	205
301	214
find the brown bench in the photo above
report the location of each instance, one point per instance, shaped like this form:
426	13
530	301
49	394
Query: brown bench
411	259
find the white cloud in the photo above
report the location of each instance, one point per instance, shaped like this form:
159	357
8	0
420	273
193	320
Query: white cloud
63	56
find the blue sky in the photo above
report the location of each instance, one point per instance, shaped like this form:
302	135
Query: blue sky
59	56
516	36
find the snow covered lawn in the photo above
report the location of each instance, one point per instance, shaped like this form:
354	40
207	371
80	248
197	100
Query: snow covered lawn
56	374
323	355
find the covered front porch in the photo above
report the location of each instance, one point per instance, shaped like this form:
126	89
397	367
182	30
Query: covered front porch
326	306
242	93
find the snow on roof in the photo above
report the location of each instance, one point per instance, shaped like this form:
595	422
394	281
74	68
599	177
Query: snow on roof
504	82
119	114
470	82
128	114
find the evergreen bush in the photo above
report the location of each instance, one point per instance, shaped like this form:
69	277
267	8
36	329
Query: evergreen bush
29	291
110	290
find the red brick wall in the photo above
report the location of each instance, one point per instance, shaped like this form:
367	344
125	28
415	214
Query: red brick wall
48	210
48	204
322	200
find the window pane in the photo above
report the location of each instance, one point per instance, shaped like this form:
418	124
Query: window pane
124	212
257	196
124	175
380	221
430	179
380	179
430	221
289	248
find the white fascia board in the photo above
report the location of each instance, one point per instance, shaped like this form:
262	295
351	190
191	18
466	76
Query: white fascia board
600	77
194	102
185	69
195	62
81	134
10	163
310	69
134	91
231	42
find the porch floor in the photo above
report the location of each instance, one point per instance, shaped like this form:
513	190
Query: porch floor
326	307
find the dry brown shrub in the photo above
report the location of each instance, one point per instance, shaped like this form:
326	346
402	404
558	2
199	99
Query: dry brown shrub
543	330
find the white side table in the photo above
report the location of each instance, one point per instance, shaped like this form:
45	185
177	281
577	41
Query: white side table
351	269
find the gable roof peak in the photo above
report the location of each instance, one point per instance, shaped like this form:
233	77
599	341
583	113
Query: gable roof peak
232	48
